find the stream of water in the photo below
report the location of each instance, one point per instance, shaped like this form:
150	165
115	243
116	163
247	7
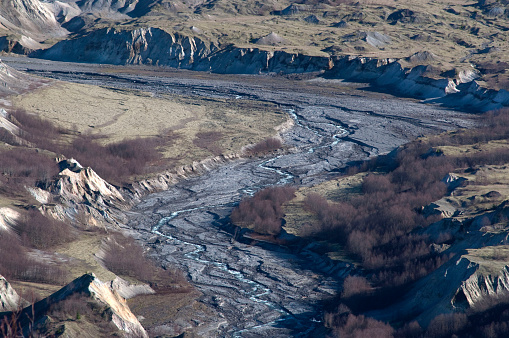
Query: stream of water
252	291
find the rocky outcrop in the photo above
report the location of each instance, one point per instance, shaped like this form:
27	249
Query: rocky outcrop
80	194
138	46
461	92
8	218
158	47
9	299
128	290
31	18
114	307
459	284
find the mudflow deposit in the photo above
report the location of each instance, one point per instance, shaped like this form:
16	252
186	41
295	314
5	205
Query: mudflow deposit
81	81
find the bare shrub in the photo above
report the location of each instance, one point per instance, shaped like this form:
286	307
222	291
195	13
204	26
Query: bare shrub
17	265
263	211
81	307
208	140
266	146
124	257
34	129
410	330
445	325
7	137
116	161
354	285
41	232
360	327
376	183
20	167
72	307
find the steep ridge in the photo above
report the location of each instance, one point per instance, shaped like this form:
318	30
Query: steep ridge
462	91
154	46
80	192
462	283
157	47
103	302
31	18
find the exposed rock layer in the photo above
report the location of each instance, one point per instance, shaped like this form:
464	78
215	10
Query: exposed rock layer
158	47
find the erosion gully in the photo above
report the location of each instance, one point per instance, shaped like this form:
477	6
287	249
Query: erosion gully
259	290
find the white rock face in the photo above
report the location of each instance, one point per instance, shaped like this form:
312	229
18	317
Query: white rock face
81	192
155	46
122	316
29	17
9	299
8	218
479	285
101	292
128	290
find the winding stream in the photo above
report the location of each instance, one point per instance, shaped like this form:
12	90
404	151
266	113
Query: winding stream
259	292
255	290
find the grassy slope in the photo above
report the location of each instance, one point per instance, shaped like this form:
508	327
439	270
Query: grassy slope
122	114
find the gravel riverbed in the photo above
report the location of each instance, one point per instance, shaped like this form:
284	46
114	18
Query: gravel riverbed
258	290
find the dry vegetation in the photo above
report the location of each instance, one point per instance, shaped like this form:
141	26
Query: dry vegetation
189	129
263	212
35	251
126	258
375	217
377	227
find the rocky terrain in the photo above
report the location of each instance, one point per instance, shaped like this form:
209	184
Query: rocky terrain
447	52
325	138
311	61
175	225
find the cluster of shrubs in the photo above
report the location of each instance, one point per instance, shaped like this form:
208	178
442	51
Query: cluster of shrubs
40	232
377	227
16	264
488	323
263	212
27	165
33	231
266	146
115	162
126	258
208	140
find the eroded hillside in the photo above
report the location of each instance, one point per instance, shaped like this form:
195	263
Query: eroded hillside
452	53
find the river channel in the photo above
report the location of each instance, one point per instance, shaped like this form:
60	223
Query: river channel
257	290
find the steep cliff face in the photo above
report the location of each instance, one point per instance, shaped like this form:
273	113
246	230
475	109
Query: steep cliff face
104	300
138	46
155	46
8	218
460	284
80	194
490	279
158	47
